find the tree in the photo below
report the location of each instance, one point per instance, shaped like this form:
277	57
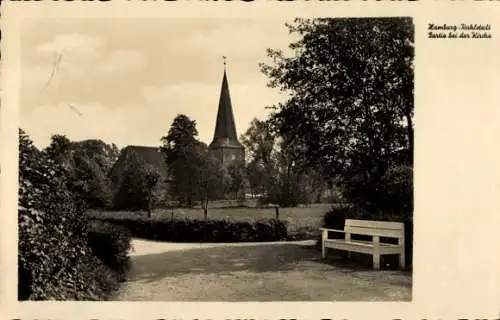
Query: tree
351	97
151	178
274	165
59	149
182	155
210	177
260	145
137	188
86	164
237	179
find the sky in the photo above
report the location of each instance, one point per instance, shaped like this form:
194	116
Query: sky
124	80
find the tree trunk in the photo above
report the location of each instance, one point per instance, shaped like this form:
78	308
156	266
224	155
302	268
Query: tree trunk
205	208
150	205
410	133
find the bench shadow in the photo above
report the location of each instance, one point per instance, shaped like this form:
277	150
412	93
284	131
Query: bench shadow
227	259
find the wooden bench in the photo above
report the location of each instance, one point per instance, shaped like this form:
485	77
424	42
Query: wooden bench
375	229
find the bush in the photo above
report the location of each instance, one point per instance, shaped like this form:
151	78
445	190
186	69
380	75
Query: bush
398	192
111	244
54	259
187	230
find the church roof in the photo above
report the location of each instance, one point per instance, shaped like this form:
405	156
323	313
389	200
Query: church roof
147	155
225	128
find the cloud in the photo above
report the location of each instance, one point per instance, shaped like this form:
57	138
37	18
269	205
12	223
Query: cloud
200	101
90	121
77	44
233	40
121	61
86	56
139	84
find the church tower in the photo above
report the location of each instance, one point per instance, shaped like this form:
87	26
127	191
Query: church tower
225	145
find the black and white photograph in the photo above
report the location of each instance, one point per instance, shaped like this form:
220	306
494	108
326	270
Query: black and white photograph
216	159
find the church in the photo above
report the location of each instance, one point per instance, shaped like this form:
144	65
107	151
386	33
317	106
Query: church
225	145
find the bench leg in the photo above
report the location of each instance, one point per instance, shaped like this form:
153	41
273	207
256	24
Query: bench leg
376	261
402	258
402	261
324	236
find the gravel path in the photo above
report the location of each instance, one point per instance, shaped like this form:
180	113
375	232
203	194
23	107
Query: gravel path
253	272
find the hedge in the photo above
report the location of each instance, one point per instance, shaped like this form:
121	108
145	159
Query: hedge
193	230
111	244
55	261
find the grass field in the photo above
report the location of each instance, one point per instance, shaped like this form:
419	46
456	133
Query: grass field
306	219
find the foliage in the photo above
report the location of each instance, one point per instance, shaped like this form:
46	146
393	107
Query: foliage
111	244
197	175
86	164
274	169
299	219
398	191
193	230
182	153
351	98
136	192
55	262
237	181
210	176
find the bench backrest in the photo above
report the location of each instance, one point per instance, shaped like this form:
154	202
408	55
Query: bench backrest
375	228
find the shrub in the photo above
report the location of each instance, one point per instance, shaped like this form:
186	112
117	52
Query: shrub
398	192
193	230
111	244
54	259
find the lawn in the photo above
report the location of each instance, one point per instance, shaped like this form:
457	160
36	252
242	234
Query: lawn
304	219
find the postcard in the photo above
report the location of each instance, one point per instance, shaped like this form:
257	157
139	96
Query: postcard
250	160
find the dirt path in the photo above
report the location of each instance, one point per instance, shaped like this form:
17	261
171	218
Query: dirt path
253	272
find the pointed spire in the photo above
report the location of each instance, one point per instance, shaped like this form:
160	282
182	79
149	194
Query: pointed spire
225	128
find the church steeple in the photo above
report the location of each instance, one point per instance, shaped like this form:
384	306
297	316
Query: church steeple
225	128
225	144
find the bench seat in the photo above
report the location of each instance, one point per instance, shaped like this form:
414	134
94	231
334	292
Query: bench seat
361	246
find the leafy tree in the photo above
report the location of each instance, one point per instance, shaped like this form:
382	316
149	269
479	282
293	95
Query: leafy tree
275	167
237	181
210	178
103	154
59	149
152	177
137	189
182	151
351	98
86	164
260	145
